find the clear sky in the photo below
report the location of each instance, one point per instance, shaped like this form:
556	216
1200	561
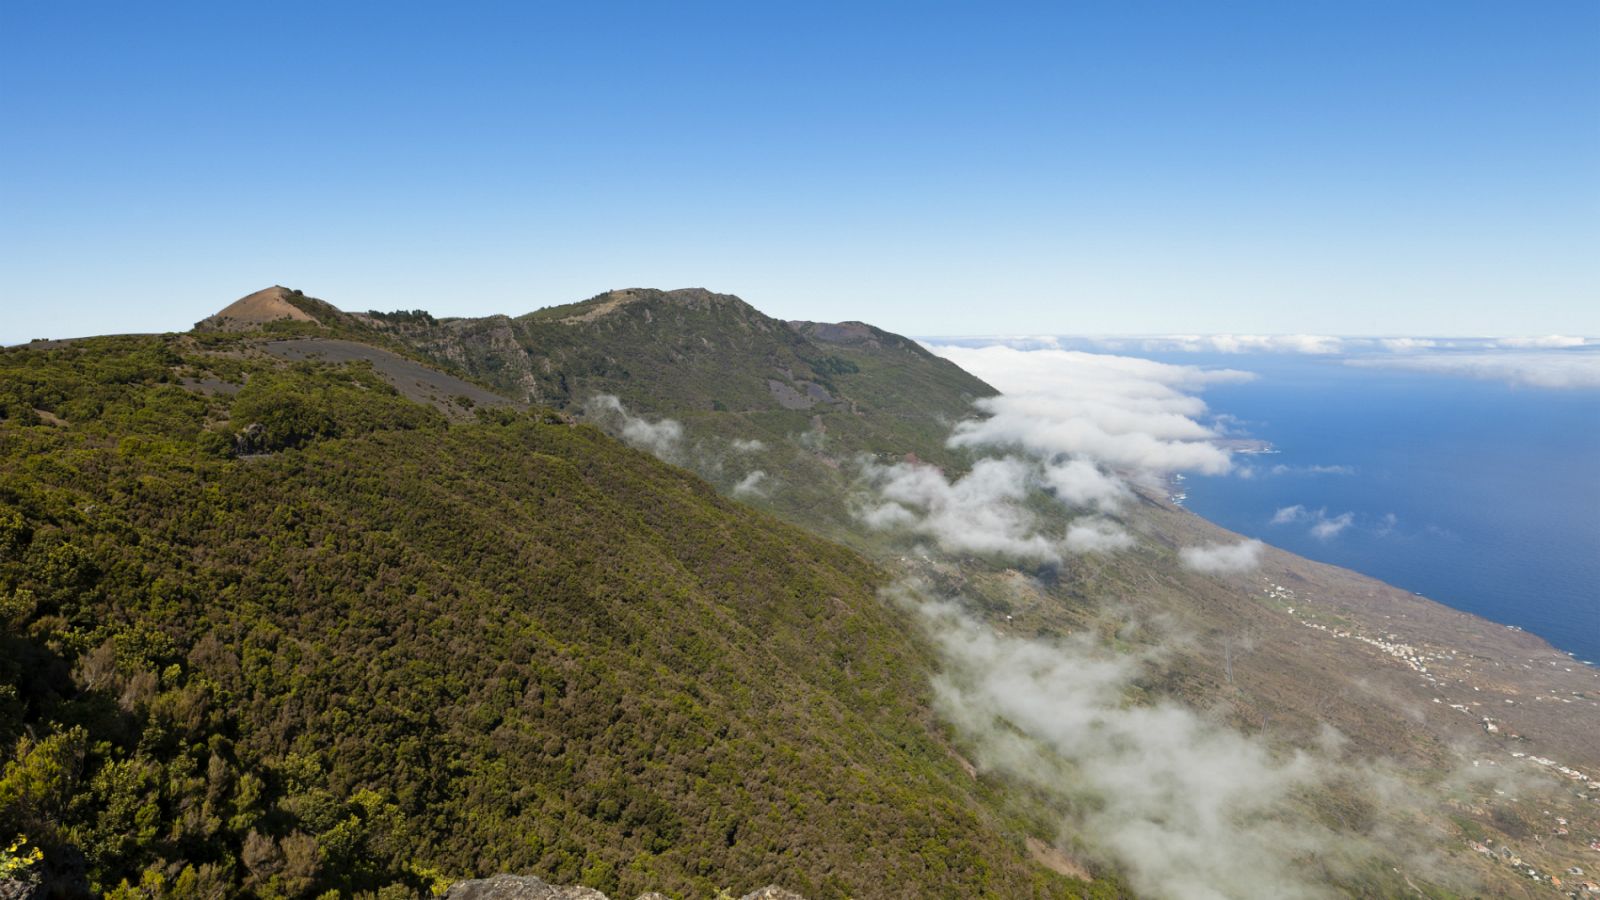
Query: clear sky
1340	167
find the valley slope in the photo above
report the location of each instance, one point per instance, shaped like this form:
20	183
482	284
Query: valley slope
1468	713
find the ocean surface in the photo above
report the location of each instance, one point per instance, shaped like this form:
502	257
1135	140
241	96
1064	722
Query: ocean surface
1479	494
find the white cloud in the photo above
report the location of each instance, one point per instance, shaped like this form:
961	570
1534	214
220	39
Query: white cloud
1118	411
1406	344
1323	526
1181	804
1084	422
1096	536
751	485
885	516
1547	342
983	512
744	445
1312	470
1318	344
977	513
1549	369
1287	514
1329	528
663	438
1222	558
1080	483
1186	807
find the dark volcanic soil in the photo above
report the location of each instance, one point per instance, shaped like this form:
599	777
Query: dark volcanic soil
414	380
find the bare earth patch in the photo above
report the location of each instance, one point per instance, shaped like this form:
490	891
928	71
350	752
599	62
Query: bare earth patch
1056	861
268	305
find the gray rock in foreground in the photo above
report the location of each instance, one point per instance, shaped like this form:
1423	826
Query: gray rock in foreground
518	887
20	889
527	887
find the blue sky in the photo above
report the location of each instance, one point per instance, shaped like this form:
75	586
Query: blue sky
1348	168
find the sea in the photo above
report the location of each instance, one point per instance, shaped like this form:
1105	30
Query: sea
1480	494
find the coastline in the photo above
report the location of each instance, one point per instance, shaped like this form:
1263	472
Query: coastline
1446	661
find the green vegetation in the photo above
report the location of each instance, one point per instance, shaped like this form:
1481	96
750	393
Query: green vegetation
308	636
17	858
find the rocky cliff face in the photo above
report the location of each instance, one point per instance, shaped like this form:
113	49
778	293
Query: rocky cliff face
24	889
527	887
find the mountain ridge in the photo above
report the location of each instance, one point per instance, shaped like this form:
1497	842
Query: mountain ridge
1278	655
1287	669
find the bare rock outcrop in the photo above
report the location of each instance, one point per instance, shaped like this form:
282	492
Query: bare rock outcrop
268	305
528	887
21	889
518	887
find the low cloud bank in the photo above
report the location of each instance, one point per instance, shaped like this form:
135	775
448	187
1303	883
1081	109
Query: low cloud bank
1406	344
1219	559
1547	342
1550	369
1317	344
1179	802
1119	411
1073	425
1546	361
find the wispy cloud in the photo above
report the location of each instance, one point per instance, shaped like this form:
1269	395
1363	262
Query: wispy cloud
1185	806
1329	528
752	485
1287	514
1312	470
662	437
1096	536
1323	527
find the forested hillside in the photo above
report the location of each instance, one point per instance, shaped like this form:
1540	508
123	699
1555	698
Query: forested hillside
796	396
272	628
854	434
